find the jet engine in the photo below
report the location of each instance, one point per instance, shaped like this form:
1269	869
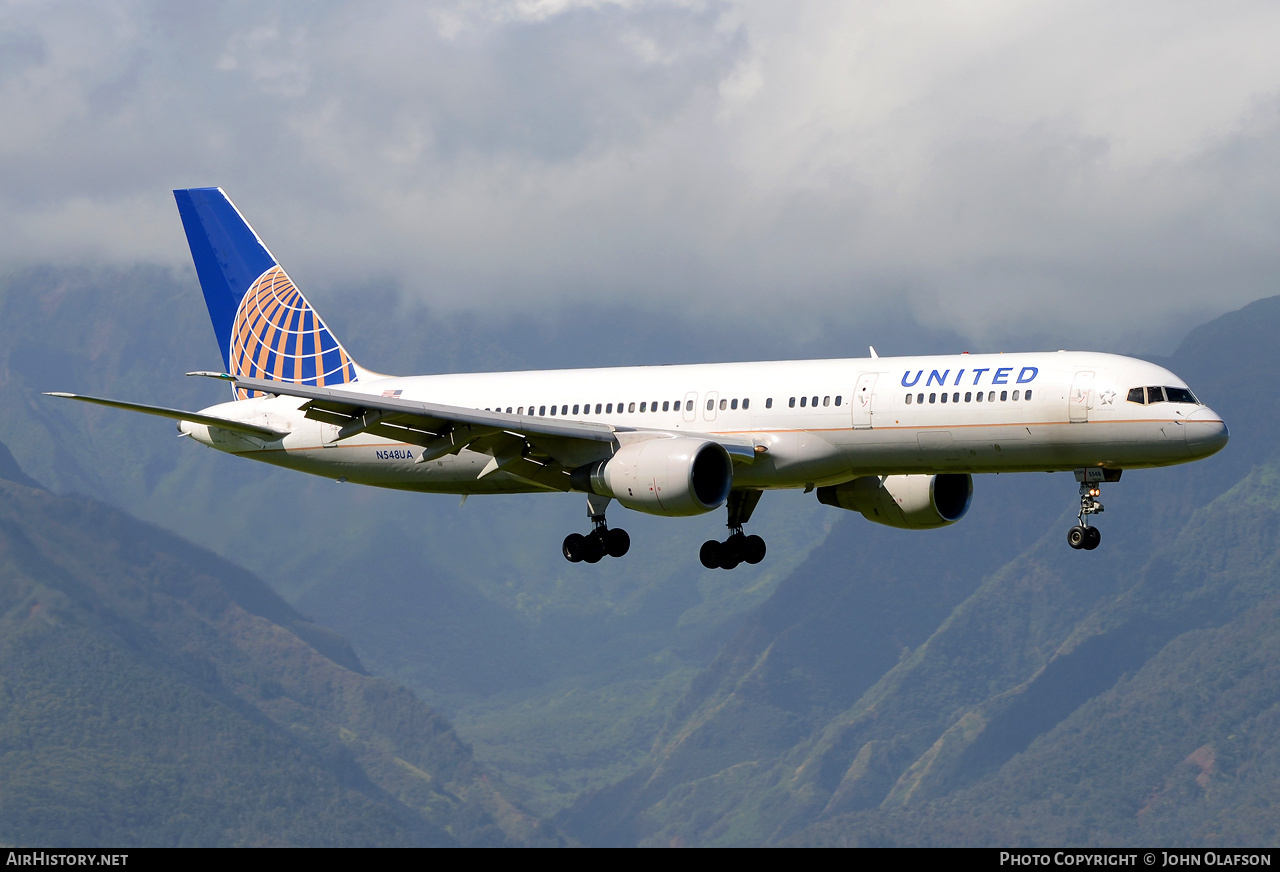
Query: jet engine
911	502
665	476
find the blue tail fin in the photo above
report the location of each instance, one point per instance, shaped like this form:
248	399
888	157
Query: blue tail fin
266	329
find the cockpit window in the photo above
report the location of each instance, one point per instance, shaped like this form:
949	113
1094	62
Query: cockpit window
1161	395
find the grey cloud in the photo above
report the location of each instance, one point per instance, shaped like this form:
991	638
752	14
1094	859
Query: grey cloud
996	170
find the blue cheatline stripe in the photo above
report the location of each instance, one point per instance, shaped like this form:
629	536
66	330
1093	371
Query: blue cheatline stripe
228	255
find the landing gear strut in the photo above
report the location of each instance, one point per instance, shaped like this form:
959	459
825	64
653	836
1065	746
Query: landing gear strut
738	548
601	541
1082	536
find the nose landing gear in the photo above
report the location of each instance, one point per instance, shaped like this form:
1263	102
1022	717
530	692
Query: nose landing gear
1082	536
739	547
601	541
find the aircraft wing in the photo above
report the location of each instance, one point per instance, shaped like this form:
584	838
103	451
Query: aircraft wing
176	415
440	429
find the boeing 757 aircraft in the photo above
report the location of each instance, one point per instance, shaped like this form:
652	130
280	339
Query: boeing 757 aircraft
897	439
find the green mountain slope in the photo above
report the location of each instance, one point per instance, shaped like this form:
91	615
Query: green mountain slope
882	685
154	694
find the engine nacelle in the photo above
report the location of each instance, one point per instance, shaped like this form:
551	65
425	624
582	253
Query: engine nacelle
664	476
911	502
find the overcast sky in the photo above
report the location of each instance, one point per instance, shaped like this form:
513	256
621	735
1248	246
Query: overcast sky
996	168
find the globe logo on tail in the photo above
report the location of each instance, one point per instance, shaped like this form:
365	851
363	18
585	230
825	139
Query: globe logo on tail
278	336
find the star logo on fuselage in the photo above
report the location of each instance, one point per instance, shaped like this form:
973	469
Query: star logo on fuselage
1107	397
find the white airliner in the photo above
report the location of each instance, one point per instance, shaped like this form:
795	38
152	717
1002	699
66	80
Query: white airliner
897	439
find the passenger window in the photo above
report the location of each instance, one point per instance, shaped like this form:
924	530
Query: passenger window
608	409
804	401
968	396
991	397
711	405
564	410
723	403
746	403
933	398
508	410
978	398
553	410
1015	395
1004	395
1027	395
908	399
653	407
792	402
520	411
919	398
542	410
688	407
1136	396
837	400
642	407
575	408
1155	395
826	401
597	408
666	405
955	398
815	401
944	398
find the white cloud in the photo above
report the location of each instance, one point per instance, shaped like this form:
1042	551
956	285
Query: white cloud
993	166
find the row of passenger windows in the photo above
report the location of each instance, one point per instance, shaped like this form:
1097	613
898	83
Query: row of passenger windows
969	397
1146	396
725	404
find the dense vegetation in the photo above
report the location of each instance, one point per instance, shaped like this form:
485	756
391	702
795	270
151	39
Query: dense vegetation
154	694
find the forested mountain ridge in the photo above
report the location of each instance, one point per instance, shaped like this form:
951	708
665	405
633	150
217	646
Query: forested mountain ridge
155	694
841	715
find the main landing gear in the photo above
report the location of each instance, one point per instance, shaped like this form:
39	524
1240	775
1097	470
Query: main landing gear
1082	536
738	548
601	541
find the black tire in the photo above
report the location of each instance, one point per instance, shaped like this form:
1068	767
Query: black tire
1093	536
753	550
617	543
573	547
729	562
732	550
709	554
1076	537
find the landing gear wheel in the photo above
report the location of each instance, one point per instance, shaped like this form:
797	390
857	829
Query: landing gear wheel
574	547
709	554
1092	536
1077	536
753	550
593	547
617	543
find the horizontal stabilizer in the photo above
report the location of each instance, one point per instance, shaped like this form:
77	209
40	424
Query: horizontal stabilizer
177	415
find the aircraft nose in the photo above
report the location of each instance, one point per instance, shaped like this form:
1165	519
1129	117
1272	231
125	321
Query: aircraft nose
1206	432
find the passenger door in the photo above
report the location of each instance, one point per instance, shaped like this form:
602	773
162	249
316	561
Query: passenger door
863	402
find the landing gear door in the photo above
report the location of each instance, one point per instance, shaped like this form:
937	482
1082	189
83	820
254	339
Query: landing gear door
1079	400
864	401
